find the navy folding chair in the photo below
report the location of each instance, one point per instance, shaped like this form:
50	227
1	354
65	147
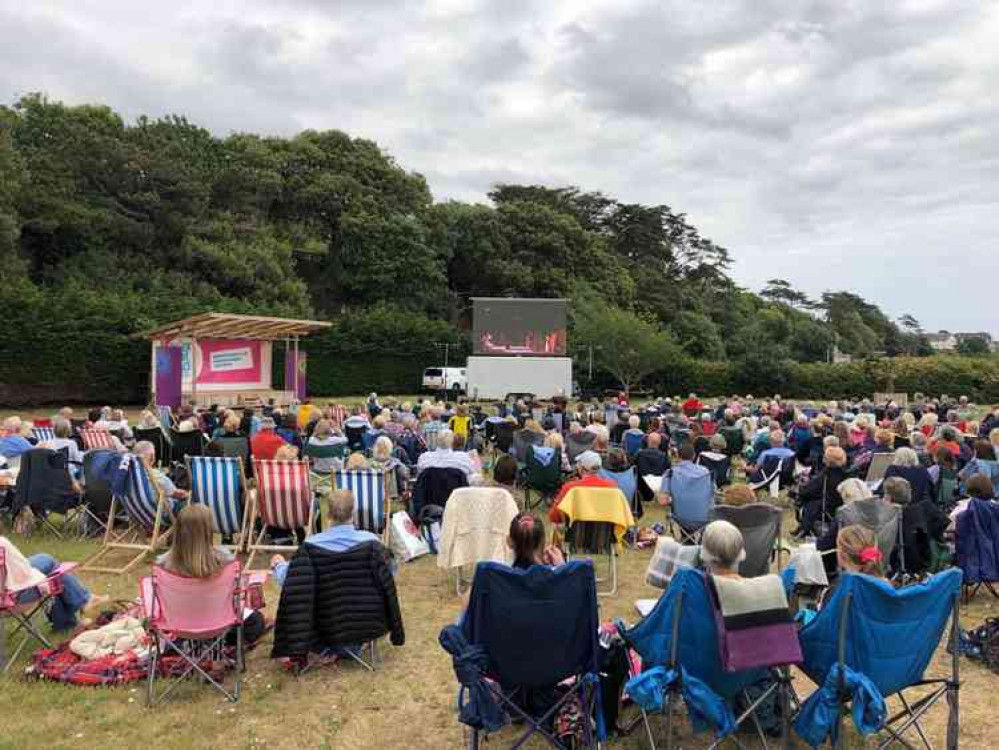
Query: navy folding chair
526	632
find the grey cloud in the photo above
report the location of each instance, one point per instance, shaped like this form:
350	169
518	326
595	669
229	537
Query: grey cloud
838	145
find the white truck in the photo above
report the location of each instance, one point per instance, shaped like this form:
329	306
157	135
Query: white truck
495	377
454	379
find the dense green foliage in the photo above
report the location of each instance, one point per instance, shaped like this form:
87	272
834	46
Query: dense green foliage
108	228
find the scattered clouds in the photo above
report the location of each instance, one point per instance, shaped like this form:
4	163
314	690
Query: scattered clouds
835	143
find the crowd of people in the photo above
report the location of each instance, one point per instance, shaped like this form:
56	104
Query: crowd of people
938	456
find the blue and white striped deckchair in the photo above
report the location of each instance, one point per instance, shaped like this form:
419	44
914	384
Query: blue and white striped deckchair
42	434
166	416
219	483
148	515
370	497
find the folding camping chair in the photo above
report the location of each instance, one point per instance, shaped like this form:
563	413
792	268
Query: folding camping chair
632	443
776	474
881	517
525	631
220	483
97	439
42	434
522	439
372	505
877	467
23	606
760	525
148	512
502	436
97	489
627	482
542	473
191	618
284	501
44	484
978	547
474	528
598	517
184	444
679	637
720	466
691	506
887	636
577	443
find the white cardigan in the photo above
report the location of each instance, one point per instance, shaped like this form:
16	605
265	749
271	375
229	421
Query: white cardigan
20	574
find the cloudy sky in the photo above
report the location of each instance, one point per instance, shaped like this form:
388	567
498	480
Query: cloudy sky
845	144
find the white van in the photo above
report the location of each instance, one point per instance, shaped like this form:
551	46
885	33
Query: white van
445	379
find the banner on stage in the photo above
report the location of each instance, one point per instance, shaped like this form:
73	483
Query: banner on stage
225	365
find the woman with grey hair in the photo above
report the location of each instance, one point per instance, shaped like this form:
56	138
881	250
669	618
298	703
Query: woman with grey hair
906	465
722	549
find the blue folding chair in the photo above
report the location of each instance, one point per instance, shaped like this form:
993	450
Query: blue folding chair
693	501
524	633
371	500
220	483
627	482
871	641
679	640
633	442
148	512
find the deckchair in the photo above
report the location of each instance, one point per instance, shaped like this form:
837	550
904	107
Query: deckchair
543	474
284	501
220	483
148	511
41	434
879	640
372	505
524	632
598	517
95	439
760	524
23	607
679	639
158	438
191	618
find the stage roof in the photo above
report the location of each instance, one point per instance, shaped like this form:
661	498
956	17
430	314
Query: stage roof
227	326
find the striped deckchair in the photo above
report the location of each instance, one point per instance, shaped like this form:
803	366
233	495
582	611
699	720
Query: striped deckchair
219	483
149	518
339	414
371	500
42	434
284	501
97	439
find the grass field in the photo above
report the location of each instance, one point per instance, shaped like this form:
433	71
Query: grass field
408	703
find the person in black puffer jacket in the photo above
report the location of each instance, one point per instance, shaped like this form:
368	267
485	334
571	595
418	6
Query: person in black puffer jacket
337	599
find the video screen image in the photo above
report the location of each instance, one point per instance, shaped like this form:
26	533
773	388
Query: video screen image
518	327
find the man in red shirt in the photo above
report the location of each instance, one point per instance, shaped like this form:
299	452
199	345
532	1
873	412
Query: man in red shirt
588	463
266	442
692	406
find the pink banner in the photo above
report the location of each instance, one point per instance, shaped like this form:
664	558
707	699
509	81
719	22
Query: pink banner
229	362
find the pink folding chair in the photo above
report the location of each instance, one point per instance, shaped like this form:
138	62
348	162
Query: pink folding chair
97	439
12	605
191	617
284	501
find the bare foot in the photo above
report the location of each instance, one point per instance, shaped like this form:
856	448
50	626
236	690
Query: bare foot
96	601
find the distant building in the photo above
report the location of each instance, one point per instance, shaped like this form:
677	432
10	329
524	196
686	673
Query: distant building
945	341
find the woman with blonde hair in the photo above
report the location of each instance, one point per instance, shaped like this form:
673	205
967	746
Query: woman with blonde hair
554	440
193	554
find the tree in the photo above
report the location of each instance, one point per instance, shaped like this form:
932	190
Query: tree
780	291
973	346
626	345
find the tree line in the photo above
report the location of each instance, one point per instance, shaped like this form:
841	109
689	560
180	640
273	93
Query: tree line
109	227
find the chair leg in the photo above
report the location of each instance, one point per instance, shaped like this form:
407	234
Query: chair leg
153	660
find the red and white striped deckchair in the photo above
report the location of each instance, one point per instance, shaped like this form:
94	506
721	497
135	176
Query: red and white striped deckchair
97	439
340	414
284	501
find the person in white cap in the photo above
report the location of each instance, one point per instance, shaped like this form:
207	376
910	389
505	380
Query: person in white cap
588	463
